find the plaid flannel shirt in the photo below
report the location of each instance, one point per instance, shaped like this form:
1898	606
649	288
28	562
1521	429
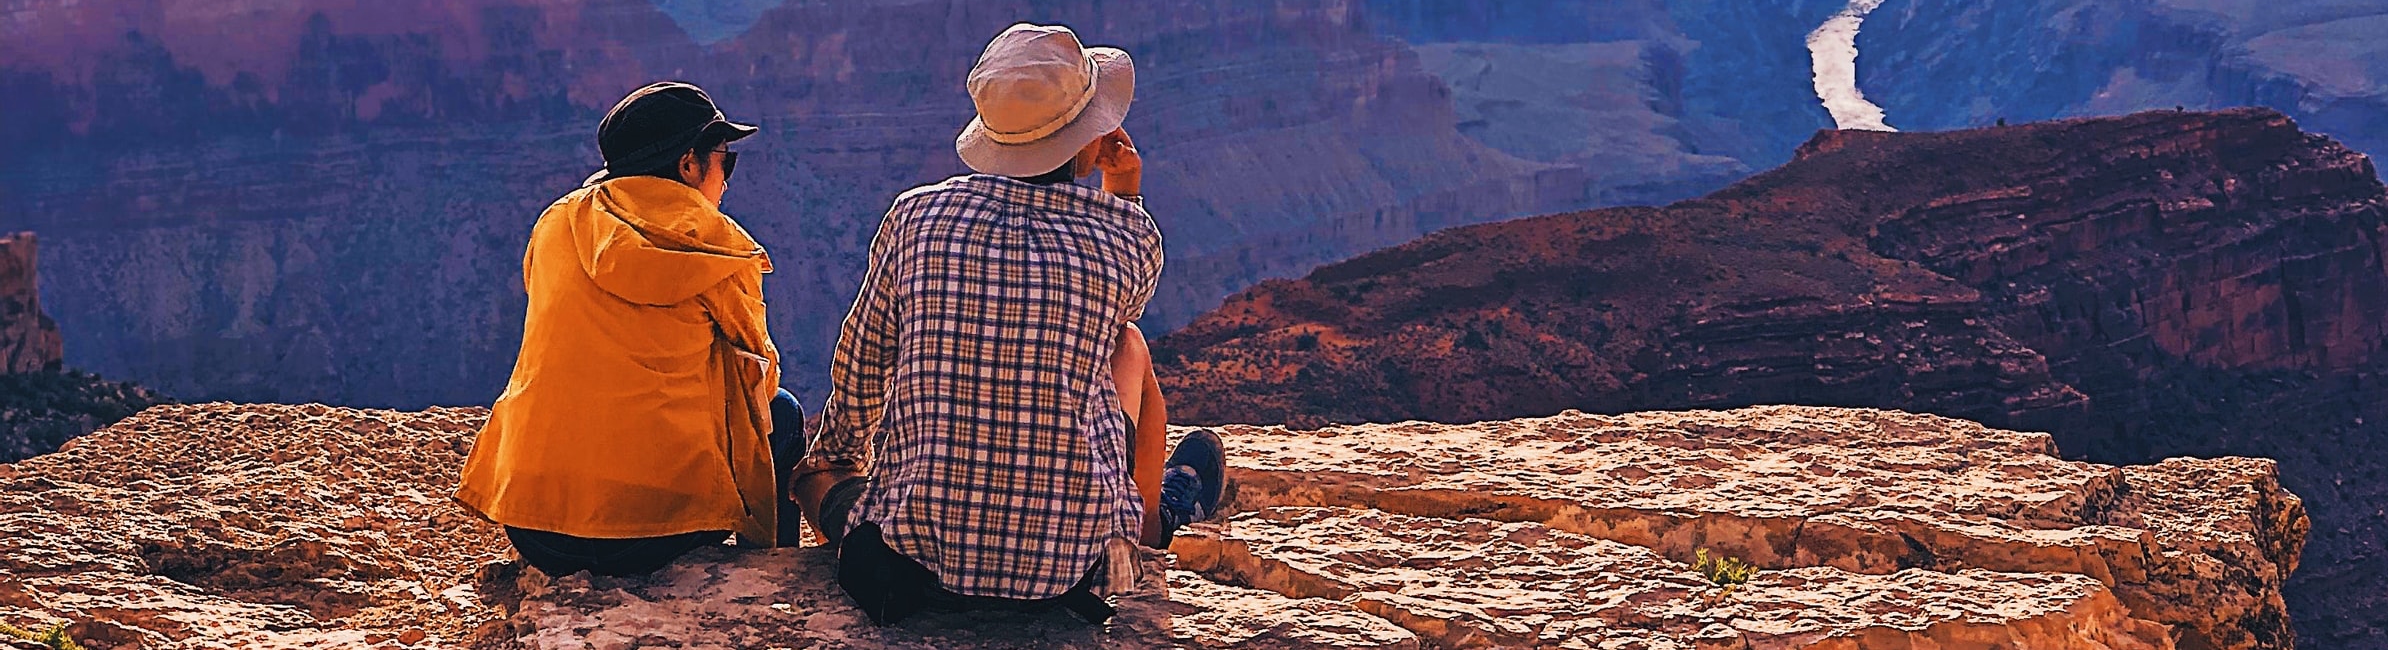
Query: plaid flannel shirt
973	380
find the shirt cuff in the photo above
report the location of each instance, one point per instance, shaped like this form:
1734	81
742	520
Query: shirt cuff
822	462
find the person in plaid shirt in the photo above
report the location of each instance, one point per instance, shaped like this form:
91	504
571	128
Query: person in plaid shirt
976	447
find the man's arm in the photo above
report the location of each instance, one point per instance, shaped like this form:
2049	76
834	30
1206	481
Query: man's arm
1140	396
858	372
1132	367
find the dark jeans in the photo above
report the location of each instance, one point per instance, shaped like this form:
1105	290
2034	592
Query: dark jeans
889	587
558	554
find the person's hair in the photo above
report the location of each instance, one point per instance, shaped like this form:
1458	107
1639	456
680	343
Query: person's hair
671	170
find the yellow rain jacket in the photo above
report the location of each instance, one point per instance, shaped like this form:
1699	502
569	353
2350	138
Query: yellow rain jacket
641	400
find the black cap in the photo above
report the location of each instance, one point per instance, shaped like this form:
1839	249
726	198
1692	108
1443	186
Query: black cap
651	128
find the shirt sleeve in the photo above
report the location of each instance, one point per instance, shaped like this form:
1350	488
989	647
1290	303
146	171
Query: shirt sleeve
859	366
1148	274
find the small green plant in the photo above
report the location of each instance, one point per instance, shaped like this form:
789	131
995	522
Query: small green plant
55	637
1722	571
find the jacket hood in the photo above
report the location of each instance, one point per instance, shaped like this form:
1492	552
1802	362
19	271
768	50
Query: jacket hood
654	241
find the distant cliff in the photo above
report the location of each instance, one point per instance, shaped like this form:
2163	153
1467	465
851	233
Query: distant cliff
41	403
2143	286
1938	271
1733	79
328	201
29	340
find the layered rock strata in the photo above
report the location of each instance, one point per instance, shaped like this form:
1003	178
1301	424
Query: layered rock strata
1941	272
2144	286
219	526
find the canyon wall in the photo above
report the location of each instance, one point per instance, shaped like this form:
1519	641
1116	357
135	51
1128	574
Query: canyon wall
1943	65
325	201
29	340
328	202
2146	286
43	404
1732	79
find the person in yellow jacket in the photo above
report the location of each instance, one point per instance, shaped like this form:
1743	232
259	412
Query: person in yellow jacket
644	409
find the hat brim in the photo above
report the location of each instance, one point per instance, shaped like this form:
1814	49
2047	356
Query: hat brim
1115	89
730	132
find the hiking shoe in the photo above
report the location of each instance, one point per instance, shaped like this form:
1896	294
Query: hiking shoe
1190	488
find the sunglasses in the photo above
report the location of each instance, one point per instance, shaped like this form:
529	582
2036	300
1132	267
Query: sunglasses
729	162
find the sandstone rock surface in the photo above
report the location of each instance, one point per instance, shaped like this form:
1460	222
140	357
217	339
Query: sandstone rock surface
230	526
1858	492
1474	583
217	526
789	598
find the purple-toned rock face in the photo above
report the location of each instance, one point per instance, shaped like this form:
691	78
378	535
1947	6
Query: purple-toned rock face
2145	286
329	202
1945	272
326	200
29	340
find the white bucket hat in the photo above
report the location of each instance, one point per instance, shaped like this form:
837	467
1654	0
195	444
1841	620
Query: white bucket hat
1042	96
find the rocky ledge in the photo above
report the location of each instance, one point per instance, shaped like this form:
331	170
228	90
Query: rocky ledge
220	525
1872	525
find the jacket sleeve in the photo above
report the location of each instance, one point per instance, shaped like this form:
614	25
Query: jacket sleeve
736	307
860	365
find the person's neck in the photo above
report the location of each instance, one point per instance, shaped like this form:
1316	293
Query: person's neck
1055	177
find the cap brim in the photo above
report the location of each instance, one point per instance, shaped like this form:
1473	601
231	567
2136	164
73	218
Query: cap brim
730	132
733	131
1115	89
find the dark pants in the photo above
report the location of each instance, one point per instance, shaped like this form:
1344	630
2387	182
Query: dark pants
558	554
889	587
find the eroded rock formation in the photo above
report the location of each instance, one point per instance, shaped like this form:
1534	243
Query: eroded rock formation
29	340
43	404
218	525
1942	272
2145	286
